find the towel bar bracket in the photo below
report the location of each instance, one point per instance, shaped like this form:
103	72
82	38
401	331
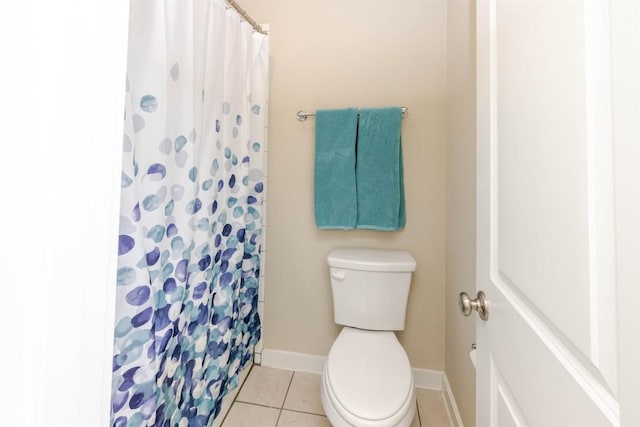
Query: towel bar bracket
302	115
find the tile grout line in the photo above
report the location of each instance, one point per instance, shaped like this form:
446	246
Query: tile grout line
285	398
278	419
293	373
257	404
297	410
304	412
283	408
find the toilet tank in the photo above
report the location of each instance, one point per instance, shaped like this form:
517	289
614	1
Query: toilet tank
370	287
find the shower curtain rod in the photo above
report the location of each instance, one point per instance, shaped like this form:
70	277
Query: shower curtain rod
244	15
302	115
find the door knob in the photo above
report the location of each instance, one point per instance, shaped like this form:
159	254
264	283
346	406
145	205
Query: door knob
480	304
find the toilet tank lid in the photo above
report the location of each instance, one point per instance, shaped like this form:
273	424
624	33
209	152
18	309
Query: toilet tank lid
371	259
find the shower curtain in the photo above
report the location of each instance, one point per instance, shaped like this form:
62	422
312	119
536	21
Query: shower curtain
191	204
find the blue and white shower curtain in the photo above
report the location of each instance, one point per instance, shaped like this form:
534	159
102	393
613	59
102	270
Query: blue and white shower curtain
190	225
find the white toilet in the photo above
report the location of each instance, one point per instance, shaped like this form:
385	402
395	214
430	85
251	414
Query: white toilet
367	379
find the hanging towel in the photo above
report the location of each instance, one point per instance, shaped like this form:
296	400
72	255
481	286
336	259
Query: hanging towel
335	200
379	170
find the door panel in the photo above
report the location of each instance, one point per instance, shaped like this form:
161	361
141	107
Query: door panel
542	176
546	234
507	410
550	384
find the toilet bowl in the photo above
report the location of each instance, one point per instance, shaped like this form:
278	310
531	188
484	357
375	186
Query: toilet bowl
367	381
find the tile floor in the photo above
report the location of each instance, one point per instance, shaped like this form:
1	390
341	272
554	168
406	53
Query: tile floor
278	398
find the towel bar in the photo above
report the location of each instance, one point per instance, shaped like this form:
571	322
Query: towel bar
302	115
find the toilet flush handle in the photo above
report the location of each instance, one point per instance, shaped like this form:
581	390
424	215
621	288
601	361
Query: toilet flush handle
338	274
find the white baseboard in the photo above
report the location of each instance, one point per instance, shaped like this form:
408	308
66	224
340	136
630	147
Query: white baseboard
292	361
450	402
427	378
280	359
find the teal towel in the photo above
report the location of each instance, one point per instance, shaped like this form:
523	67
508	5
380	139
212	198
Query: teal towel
379	170
335	175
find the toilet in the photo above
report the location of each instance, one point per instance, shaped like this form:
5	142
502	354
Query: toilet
367	379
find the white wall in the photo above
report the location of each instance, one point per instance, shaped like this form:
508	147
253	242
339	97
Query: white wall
62	98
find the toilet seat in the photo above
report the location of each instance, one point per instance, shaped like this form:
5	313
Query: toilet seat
368	378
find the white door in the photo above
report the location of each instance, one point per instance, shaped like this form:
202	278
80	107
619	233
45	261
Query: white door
553	236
